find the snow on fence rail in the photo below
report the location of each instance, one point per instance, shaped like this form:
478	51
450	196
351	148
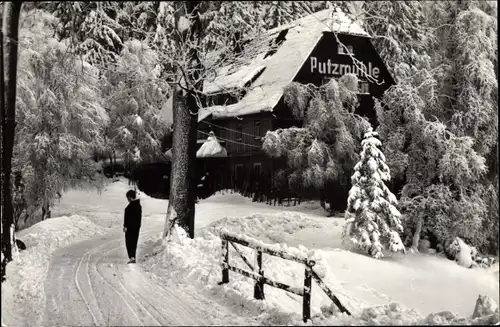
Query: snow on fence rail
258	275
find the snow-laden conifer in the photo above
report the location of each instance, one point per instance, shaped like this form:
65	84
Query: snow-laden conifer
373	221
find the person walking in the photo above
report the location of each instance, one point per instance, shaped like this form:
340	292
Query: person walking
132	224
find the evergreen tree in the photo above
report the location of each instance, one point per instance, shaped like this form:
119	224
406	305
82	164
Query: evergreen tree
439	123
92	29
61	119
135	94
325	149
373	221
399	33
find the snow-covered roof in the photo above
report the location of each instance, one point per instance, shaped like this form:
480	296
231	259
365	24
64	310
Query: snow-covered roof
273	73
236	80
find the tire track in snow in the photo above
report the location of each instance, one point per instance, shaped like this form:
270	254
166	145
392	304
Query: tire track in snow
187	308
125	289
172	299
88	254
158	307
80	289
146	301
91	252
159	314
121	296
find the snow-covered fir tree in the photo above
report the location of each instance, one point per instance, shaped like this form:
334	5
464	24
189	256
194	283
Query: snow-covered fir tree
439	127
60	117
372	219
91	28
134	95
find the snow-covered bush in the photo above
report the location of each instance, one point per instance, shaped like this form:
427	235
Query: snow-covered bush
373	221
211	148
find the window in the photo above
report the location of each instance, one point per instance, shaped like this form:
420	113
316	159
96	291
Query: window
239	133
257	130
257	169
364	87
342	49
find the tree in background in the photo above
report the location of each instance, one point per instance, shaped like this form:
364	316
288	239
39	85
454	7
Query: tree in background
398	32
115	36
372	219
325	149
134	95
92	27
61	119
439	125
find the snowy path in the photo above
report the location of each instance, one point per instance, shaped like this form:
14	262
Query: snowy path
89	283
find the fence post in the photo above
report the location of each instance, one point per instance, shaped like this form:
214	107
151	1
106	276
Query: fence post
306	304
258	290
225	259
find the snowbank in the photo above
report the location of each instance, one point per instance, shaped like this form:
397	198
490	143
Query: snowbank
271	228
23	297
355	279
197	262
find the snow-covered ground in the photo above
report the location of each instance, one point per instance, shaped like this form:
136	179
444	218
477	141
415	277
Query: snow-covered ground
23	296
425	283
190	270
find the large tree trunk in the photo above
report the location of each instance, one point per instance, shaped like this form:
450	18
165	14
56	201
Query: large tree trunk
181	202
11	12
181	206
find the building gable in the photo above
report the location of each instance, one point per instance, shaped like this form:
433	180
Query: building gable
327	61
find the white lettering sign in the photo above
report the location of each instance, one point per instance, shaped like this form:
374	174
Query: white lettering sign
330	68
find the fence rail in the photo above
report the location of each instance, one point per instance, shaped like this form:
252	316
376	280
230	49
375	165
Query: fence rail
257	273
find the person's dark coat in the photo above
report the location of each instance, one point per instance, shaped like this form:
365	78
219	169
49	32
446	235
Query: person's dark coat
133	215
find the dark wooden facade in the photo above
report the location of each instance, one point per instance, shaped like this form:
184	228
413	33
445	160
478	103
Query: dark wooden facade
242	139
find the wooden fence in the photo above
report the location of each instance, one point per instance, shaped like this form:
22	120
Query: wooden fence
257	273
